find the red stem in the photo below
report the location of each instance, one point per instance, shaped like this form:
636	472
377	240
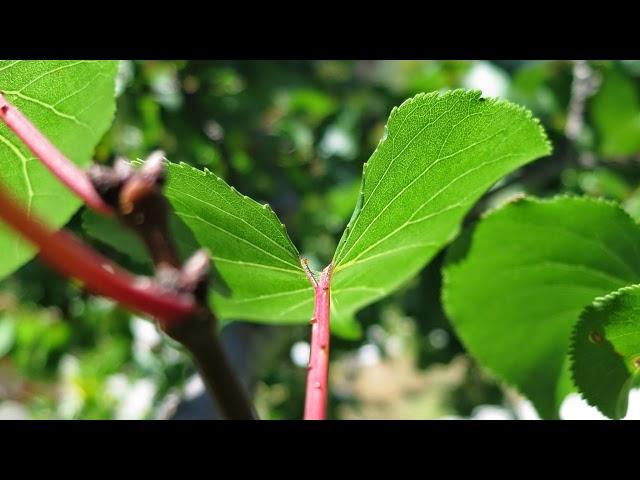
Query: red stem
315	407
71	257
73	177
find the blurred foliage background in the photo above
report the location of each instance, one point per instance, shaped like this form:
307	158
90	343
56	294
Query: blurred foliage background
295	134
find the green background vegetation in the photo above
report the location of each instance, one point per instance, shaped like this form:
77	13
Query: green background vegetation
295	134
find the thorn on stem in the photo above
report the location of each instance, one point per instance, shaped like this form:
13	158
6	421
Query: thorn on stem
154	169
304	261
195	274
192	278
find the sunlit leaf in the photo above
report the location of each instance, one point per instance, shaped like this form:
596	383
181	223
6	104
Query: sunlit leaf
72	103
441	153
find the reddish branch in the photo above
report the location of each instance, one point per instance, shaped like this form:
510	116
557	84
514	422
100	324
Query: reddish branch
177	297
73	258
63	168
315	407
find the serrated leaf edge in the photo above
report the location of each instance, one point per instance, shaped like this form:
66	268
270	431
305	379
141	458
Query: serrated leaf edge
448	306
596	305
474	95
205	172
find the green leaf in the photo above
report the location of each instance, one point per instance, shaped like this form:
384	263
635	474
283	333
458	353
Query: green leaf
515	286
605	351
440	154
107	230
251	250
72	103
615	110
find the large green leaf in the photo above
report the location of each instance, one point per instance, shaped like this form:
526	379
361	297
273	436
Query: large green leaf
72	103
439	155
515	286
606	351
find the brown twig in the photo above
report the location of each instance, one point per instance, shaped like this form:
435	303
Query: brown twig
139	203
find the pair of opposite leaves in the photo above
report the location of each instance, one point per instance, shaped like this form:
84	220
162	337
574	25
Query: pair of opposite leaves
440	153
